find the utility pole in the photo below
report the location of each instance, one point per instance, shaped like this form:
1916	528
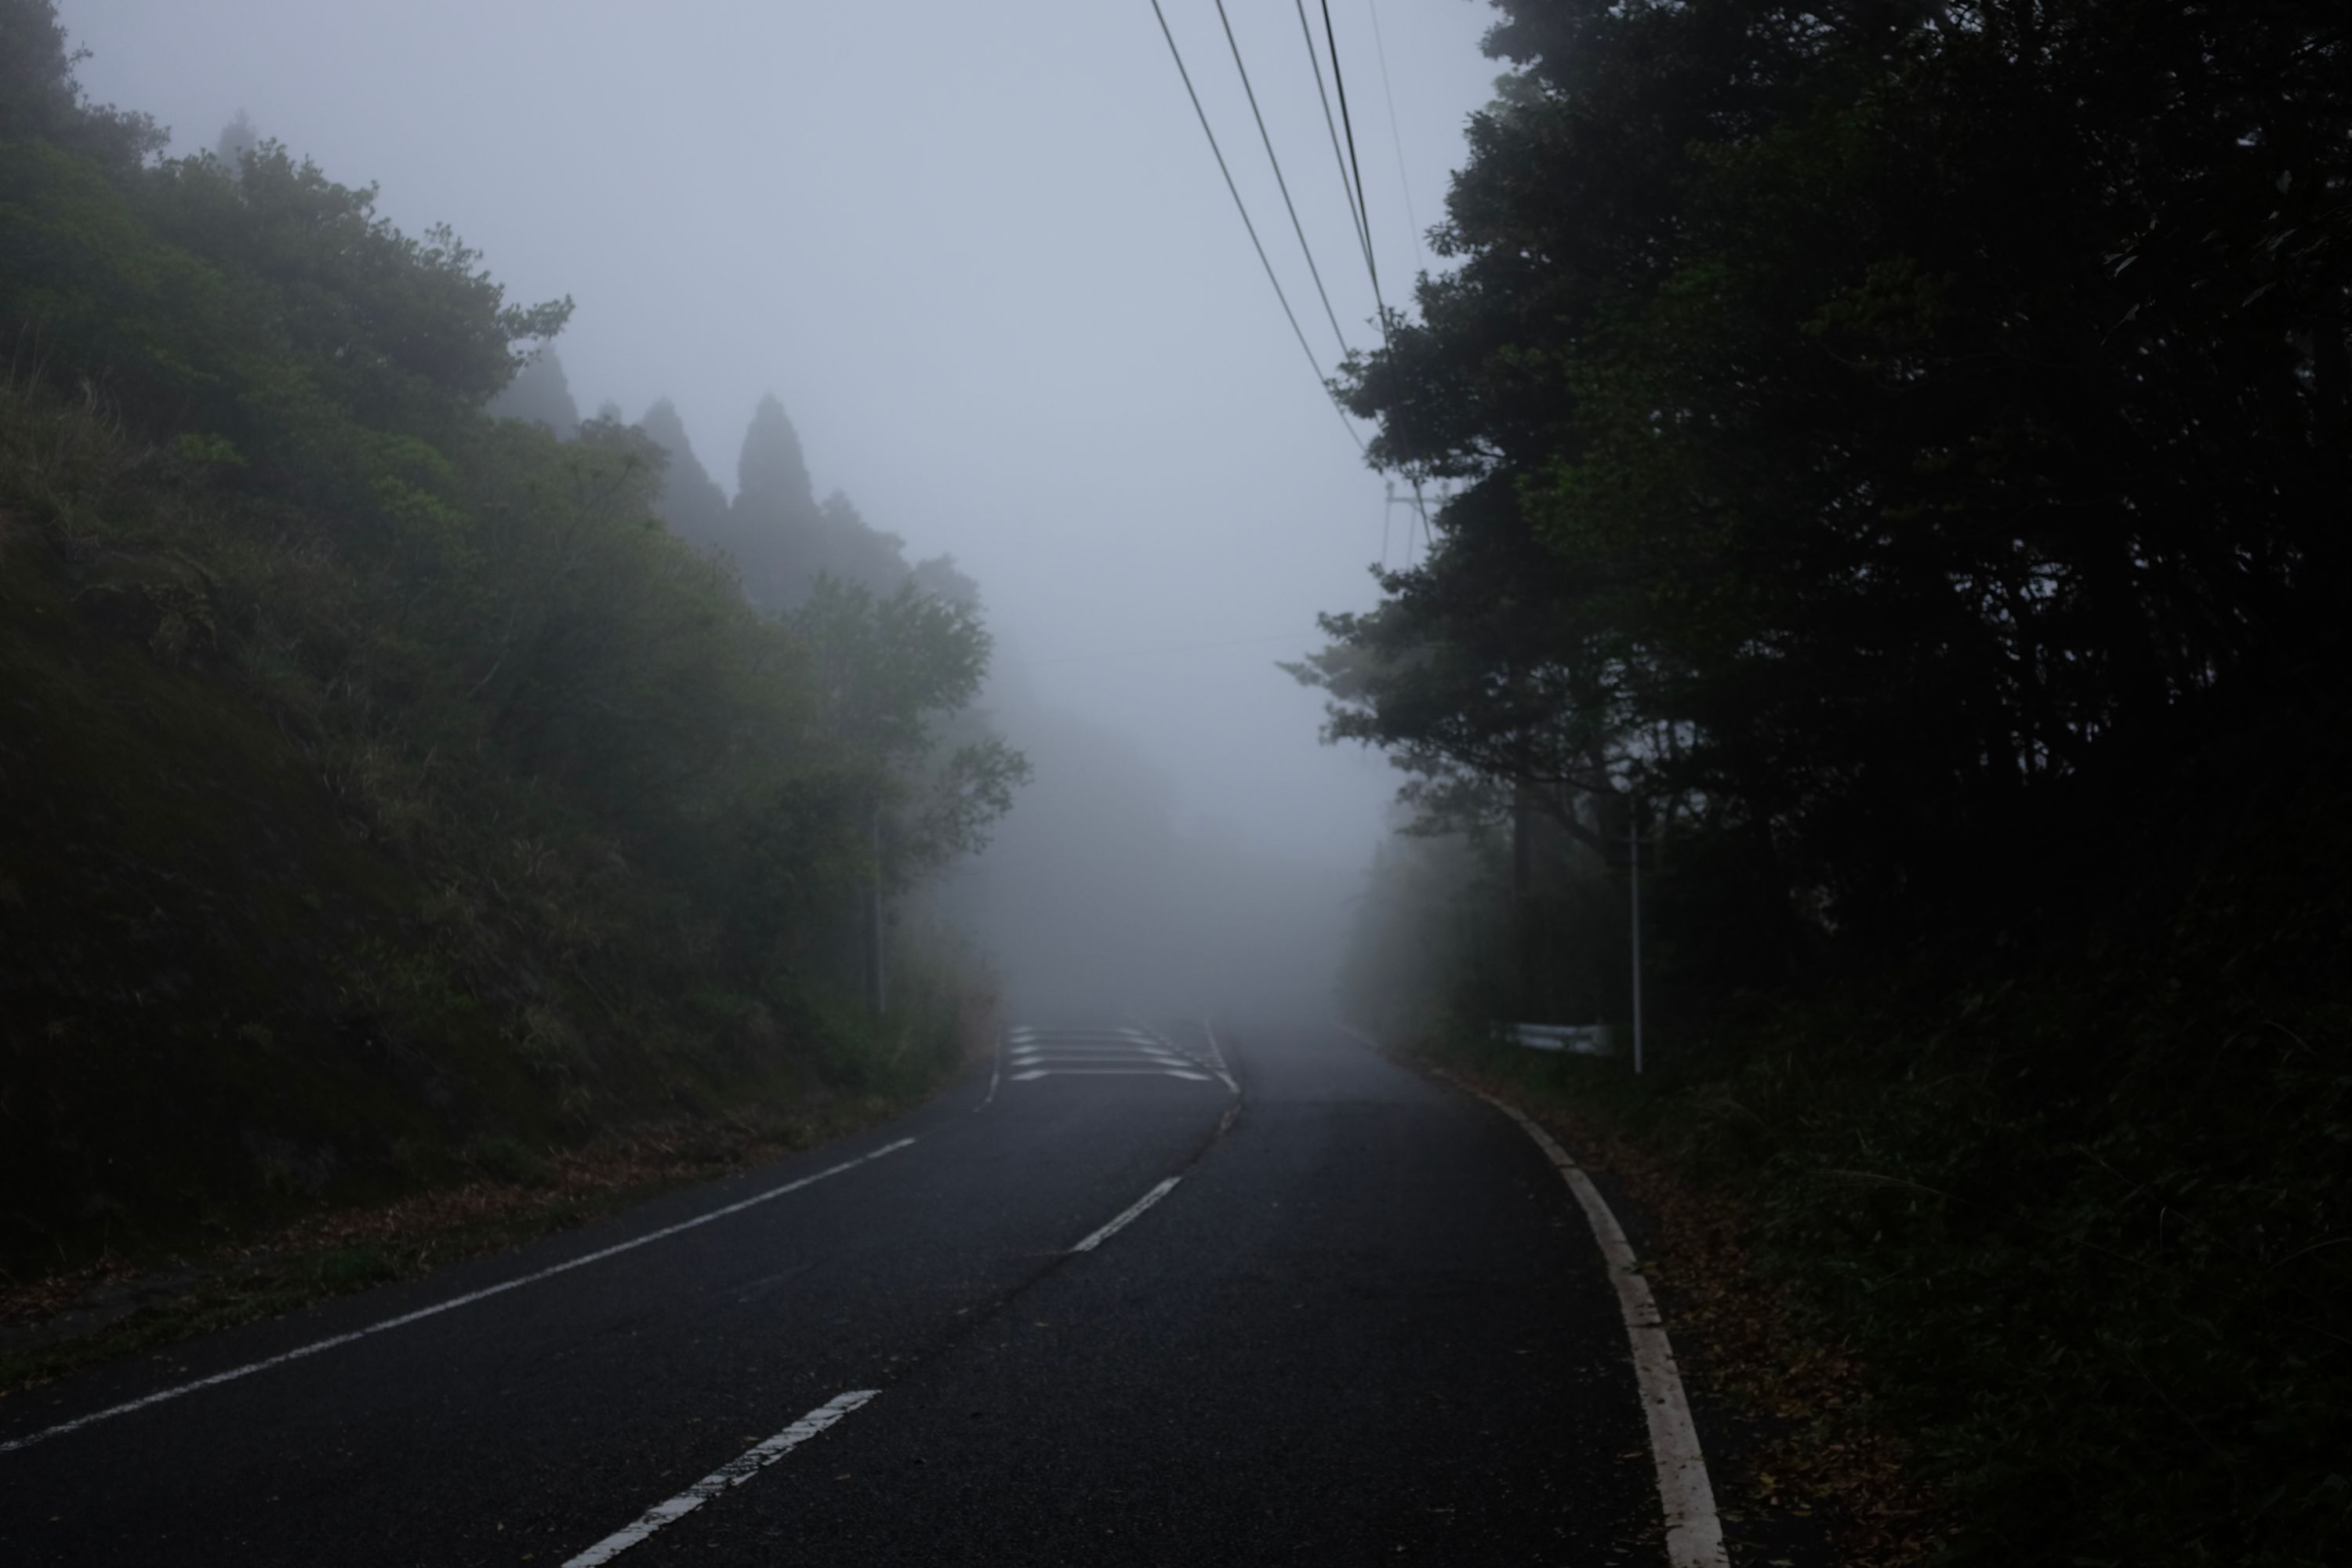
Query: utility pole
1416	505
1634	859
1523	886
878	995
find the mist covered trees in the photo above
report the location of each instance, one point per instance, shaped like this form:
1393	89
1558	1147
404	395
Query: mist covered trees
237	137
547	791
541	393
691	501
901	649
782	539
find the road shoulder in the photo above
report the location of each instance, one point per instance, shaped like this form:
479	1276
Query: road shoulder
1801	1476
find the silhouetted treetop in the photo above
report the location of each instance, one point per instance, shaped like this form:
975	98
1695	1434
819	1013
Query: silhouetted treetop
771	476
541	393
237	137
691	501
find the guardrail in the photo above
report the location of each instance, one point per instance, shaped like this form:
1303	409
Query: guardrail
1576	1039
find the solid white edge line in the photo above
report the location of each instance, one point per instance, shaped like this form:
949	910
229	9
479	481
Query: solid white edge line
1685	1495
1127	1215
1694	1532
734	1473
330	1342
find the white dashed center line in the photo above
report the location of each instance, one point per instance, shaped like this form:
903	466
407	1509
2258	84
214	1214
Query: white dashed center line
1127	1215
734	1473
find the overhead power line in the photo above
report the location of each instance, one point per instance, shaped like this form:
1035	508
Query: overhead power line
1363	208
1331	128
1279	183
1404	181
1241	207
1340	81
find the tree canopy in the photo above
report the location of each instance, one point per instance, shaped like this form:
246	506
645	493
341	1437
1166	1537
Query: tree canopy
1863	421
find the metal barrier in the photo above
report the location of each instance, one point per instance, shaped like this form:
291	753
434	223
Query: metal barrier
1576	1039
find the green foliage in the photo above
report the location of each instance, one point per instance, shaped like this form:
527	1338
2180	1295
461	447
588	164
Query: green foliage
393	779
39	97
886	666
1865	419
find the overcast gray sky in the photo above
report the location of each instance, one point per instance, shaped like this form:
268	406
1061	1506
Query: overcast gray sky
982	254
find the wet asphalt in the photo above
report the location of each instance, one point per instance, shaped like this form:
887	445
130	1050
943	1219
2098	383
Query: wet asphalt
1367	1323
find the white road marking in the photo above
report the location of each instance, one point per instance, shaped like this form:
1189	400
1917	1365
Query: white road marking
1218	1051
1127	1215
333	1340
1694	1532
1028	1054
1035	1073
1156	1058
995	1073
732	1474
1121	1037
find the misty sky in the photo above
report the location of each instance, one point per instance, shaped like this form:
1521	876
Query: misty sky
982	254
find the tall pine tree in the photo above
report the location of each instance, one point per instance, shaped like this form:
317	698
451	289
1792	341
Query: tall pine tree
776	525
691	501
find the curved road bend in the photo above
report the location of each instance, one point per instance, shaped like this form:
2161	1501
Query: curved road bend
1365	1322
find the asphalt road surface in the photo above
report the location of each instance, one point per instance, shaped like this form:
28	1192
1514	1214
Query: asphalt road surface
1126	1297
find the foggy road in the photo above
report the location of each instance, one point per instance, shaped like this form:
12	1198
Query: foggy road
1120	1295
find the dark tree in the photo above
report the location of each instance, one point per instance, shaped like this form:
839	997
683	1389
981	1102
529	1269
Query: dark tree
1870	422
